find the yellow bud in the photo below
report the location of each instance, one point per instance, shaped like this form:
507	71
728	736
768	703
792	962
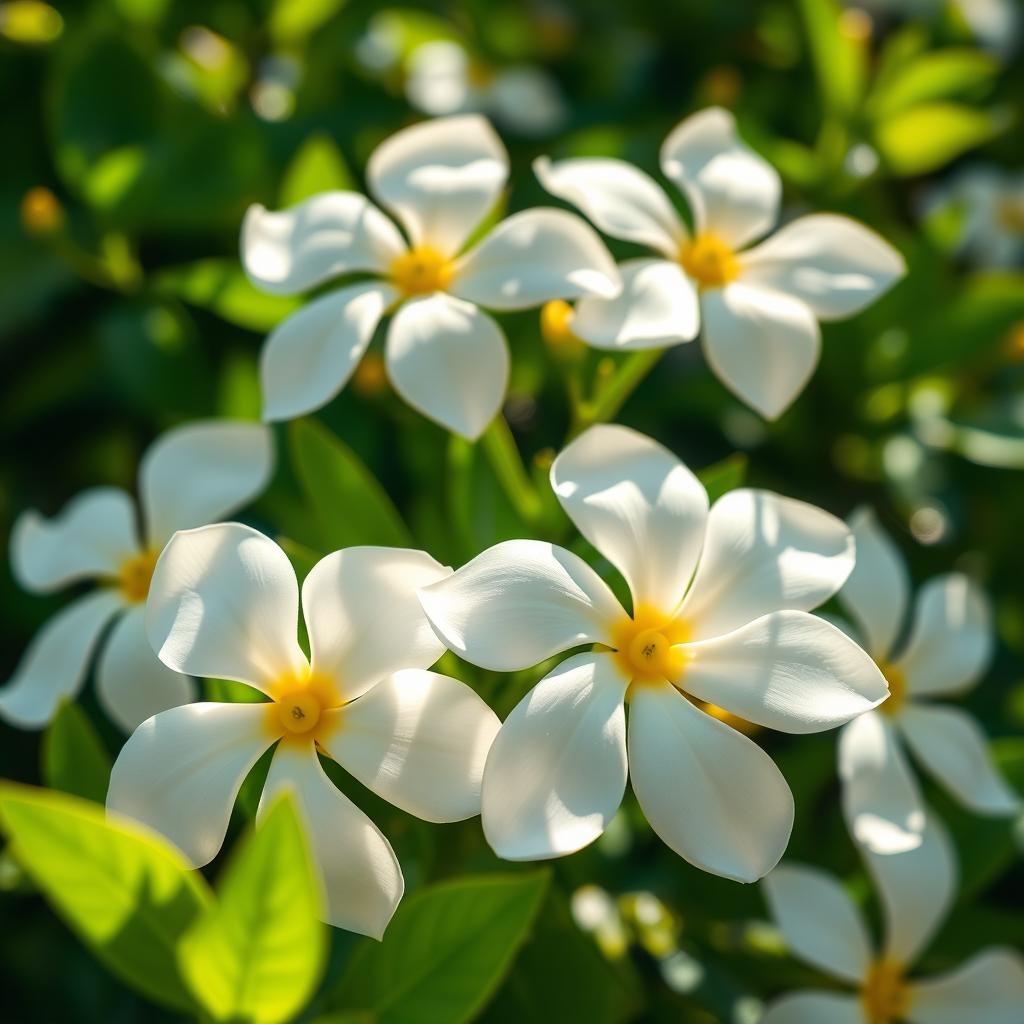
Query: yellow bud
556	319
30	22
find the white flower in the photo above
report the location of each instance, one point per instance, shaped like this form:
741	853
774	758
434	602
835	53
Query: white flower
444	355
225	603
823	927
990	206
948	648
758	308
720	612
442	78
192	475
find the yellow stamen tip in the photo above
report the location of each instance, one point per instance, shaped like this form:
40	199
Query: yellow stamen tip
897	688
645	646
135	576
421	271
299	712
709	261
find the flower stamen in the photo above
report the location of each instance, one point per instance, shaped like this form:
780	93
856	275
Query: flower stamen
885	996
135	576
709	261
645	646
420	271
299	703
897	688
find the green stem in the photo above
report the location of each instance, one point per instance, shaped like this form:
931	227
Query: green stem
500	447
606	404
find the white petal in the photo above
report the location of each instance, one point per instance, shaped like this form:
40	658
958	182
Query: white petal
362	879
714	796
620	199
877	594
762	345
557	771
952	746
440	178
917	888
733	191
988	989
657	307
881	799
309	358
518	603
951	642
322	237
55	663
202	472
815	1008
364	615
788	670
832	263
180	771
534	256
224	603
819	921
764	553
419	740
449	360
131	682
91	536
638	505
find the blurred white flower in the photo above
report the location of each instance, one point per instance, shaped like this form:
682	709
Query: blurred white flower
757	308
989	204
192	475
823	927
720	605
444	355
225	603
442	78
949	646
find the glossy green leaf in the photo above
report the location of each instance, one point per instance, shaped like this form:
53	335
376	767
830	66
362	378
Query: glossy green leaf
929	136
947	74
317	167
257	954
350	505
445	952
126	893
74	759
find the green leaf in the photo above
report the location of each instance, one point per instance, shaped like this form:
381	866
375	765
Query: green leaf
257	954
929	136
220	286
317	167
723	476
947	74
292	21
127	894
74	758
445	952
349	504
839	59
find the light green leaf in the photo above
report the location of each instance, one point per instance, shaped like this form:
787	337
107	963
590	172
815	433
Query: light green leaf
928	136
445	952
944	75
292	21
723	476
350	505
221	287
258	953
126	893
317	167
74	758
839	59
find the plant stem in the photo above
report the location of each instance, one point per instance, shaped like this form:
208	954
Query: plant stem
500	447
605	405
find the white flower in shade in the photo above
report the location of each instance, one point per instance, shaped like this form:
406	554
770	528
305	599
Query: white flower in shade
823	927
720	604
757	308
949	646
225	603
444	355
443	78
192	475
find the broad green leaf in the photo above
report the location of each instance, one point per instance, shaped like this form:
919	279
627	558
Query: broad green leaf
74	758
220	286
947	74
292	21
839	58
350	505
724	476
126	893
445	952
317	167
931	135
257	954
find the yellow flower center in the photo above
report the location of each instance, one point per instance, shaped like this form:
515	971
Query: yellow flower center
711	262
556	322
645	646
885	996
897	688
135	576
299	703
421	271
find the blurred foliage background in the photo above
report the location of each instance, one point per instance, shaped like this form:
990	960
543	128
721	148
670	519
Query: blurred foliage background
139	130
